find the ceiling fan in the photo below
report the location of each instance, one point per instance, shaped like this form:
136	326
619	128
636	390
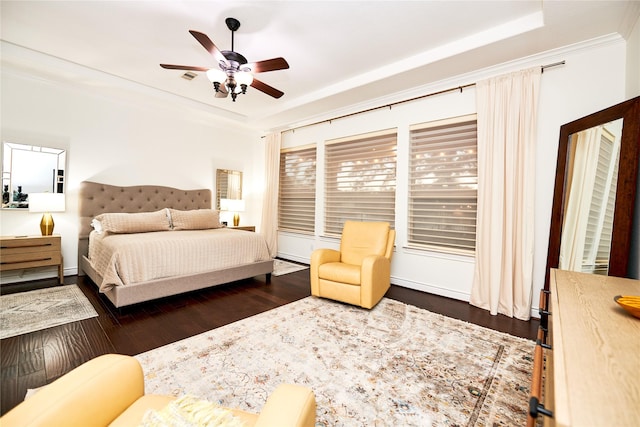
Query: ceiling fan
234	73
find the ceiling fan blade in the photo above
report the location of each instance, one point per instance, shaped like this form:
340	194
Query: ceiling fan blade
268	65
206	42
183	67
263	87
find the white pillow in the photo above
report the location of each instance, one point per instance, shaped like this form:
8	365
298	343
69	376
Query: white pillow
187	411
96	225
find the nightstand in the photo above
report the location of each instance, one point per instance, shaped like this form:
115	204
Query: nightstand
21	252
244	227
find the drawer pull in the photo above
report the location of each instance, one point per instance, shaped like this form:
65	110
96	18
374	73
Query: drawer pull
544	304
535	408
542	344
35	245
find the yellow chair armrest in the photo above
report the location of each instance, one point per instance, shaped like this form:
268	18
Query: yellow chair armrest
289	406
93	394
319	257
374	279
323	256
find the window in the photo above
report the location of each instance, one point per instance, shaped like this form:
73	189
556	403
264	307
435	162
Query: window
443	185
360	180
297	198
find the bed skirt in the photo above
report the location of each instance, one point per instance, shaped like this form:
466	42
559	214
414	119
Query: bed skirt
122	296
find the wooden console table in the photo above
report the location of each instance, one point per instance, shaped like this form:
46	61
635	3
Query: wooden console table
593	365
17	253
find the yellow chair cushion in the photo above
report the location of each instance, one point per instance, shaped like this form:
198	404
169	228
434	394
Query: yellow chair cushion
340	272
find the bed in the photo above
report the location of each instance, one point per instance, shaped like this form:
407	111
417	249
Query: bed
224	265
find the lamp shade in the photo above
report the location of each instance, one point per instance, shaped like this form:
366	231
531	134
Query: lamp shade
232	205
46	202
237	205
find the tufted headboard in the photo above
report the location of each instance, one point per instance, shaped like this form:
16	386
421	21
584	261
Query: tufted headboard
96	198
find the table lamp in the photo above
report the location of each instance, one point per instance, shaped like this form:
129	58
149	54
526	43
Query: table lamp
46	203
235	206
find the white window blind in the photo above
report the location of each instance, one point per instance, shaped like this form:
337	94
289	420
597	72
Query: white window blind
360	180
297	198
443	185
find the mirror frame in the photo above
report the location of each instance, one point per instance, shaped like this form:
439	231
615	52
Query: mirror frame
228	172
11	146
626	191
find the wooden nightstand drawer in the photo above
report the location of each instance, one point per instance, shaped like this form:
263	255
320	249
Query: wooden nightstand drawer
244	227
28	252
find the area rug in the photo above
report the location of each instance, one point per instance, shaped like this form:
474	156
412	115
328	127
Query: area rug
395	365
25	312
281	267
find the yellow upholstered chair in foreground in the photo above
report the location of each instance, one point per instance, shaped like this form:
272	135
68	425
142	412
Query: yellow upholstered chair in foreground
109	391
360	272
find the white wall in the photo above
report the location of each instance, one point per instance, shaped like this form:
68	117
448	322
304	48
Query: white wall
592	79
119	138
633	61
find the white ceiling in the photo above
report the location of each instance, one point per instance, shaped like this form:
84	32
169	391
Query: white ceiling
341	53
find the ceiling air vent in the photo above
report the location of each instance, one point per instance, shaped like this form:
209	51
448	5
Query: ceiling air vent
189	75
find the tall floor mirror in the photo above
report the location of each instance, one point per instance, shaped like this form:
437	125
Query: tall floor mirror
592	218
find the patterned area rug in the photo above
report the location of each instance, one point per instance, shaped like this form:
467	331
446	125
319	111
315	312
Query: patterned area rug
26	312
396	365
281	267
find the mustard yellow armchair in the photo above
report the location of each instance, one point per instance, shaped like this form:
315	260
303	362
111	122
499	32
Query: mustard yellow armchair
109	391
360	272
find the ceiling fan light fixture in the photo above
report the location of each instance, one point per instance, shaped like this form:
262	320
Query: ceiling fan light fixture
243	78
216	75
235	73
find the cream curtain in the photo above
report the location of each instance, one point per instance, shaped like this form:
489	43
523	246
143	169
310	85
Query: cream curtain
582	181
270	201
507	120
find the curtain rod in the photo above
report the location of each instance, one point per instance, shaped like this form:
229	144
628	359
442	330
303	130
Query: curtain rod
460	88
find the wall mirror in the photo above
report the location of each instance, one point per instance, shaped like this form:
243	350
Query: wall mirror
30	169
228	185
595	190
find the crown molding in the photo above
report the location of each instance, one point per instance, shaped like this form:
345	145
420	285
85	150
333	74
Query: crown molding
539	59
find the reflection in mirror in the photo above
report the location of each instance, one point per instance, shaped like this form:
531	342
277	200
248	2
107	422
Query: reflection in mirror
30	169
590	194
228	185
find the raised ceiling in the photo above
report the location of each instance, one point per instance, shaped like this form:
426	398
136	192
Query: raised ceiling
341	53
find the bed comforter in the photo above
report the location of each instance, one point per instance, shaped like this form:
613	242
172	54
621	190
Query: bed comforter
123	259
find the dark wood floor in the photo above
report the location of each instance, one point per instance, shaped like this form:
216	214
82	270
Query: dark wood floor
34	359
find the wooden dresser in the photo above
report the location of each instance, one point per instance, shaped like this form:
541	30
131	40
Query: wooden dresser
17	253
592	363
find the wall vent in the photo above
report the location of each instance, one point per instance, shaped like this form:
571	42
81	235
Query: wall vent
189	75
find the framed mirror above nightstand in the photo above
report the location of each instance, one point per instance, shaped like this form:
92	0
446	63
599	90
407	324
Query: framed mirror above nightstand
228	185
